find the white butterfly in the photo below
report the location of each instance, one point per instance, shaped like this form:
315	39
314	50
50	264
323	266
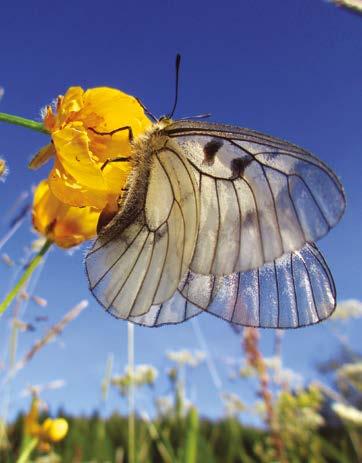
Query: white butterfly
223	220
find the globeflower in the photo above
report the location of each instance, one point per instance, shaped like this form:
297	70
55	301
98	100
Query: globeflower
88	130
44	434
54	430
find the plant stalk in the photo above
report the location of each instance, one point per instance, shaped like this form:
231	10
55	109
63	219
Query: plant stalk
27	450
23	122
25	276
131	398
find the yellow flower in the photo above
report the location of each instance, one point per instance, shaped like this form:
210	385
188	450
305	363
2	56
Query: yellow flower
3	168
85	135
31	423
54	430
65	225
50	431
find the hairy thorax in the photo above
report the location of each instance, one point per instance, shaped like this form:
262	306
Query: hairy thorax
131	201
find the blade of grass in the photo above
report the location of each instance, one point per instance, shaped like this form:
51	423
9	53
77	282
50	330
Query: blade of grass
193	424
25	276
164	446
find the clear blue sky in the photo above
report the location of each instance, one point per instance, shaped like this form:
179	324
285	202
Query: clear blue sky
291	69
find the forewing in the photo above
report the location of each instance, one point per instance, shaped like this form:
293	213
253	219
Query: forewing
142	264
295	290
260	197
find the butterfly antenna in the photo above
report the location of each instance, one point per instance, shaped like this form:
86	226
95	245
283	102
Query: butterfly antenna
198	116
178	60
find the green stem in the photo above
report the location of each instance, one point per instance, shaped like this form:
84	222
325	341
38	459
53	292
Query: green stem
131	397
28	123
28	449
24	277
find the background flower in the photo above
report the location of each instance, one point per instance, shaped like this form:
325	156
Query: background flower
65	225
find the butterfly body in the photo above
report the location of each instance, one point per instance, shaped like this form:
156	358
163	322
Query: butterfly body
220	219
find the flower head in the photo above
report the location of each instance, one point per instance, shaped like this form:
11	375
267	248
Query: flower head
3	169
186	357
50	431
350	308
141	375
353	373
347	413
54	430
65	225
88	129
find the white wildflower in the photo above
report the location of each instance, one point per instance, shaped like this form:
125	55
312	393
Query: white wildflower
274	363
350	308
352	372
186	357
348	413
140	376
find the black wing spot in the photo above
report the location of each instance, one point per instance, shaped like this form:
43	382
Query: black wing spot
238	166
210	150
160	232
249	219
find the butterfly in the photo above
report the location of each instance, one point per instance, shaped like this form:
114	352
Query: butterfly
218	219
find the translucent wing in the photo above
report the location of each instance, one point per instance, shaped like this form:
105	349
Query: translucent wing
175	310
260	197
141	256
295	290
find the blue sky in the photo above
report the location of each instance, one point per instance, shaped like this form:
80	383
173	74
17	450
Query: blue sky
291	69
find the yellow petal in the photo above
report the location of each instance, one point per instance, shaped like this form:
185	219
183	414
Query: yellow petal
106	147
114	110
71	192
73	152
71	103
42	156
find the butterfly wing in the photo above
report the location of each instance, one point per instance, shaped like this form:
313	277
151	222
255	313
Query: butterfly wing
140	258
260	197
294	290
176	310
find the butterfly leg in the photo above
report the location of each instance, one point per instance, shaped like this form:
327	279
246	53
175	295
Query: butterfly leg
118	159
112	132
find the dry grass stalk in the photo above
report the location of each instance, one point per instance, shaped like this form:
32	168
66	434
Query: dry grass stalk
256	360
54	331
